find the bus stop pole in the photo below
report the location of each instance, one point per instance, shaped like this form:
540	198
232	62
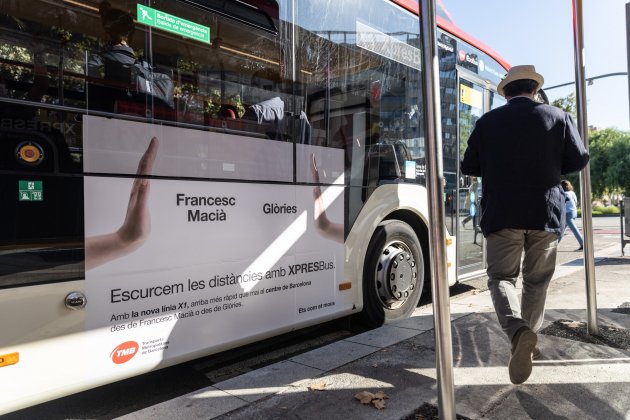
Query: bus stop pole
437	237
627	53
585	174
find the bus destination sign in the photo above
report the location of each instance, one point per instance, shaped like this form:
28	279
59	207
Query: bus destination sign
174	24
30	191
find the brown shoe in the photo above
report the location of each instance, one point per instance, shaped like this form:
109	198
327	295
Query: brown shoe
536	353
523	344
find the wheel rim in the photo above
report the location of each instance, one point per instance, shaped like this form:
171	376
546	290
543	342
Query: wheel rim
396	274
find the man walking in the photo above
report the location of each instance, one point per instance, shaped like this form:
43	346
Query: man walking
521	150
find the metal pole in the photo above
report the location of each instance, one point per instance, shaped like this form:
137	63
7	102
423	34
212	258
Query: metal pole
621	215
435	188
585	174
628	44
589	80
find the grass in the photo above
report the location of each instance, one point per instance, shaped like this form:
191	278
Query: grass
602	211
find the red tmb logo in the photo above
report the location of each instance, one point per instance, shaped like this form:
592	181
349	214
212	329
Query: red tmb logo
124	352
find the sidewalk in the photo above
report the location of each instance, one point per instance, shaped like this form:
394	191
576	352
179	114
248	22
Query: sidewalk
573	380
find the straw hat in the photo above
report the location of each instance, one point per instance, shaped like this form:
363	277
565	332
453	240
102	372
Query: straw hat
520	73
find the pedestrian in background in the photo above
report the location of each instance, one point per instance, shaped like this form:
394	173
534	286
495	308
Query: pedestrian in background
570	200
471	198
520	150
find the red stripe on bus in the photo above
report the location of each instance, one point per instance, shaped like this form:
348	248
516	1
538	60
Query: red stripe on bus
450	27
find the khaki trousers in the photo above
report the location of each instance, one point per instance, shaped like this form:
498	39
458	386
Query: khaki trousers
504	251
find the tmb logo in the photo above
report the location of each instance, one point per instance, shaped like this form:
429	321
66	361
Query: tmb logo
124	352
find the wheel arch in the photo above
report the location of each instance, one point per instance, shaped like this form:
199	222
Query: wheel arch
406	202
421	228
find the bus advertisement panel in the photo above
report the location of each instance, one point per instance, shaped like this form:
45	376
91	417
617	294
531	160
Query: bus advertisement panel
189	261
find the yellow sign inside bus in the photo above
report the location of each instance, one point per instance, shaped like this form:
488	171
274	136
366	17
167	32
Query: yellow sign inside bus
470	96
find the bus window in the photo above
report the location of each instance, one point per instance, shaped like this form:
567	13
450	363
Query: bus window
231	80
121	77
40	147
231	84
42	195
362	99
42	54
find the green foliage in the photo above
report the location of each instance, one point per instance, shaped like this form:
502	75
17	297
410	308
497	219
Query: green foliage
610	161
213	103
188	65
610	156
11	52
607	210
57	47
601	211
567	104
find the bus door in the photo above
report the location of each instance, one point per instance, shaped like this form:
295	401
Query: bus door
473	102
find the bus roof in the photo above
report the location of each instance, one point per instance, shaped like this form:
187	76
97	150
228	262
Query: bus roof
445	22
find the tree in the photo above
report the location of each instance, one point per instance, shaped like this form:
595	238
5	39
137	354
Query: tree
610	156
567	104
610	161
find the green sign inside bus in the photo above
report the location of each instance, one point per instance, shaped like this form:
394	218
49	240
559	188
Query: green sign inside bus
30	191
174	24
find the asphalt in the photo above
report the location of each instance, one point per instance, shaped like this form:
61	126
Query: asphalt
577	378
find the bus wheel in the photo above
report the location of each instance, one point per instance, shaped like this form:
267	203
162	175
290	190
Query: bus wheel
393	274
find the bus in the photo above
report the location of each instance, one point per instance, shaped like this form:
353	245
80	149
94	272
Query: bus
184	177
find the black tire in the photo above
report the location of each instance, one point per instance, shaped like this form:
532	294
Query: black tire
393	274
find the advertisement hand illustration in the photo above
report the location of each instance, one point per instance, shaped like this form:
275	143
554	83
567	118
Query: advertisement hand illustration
328	229
137	224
